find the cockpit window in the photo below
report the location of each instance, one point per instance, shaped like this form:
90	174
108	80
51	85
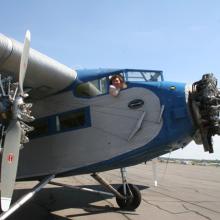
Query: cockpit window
143	76
100	86
92	88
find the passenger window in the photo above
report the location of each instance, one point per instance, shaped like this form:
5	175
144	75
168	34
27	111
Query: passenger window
71	120
40	128
92	88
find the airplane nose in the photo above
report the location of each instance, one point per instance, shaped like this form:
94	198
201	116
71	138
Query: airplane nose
204	100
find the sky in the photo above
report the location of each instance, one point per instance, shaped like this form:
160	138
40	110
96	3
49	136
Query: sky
182	37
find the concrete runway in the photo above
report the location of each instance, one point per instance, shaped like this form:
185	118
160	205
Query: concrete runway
184	192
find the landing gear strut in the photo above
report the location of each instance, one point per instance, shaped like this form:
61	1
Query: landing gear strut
128	196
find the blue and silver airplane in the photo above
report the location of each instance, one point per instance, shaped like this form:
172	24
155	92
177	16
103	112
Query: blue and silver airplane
77	127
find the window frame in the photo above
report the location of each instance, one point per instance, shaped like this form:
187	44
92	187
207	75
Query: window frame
77	94
52	125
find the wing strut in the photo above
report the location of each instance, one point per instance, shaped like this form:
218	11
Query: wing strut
26	197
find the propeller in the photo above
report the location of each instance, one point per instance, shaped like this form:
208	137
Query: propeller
16	112
24	61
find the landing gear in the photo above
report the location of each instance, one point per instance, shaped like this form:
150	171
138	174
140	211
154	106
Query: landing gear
133	199
128	196
131	193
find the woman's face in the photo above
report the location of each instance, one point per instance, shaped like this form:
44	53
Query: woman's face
117	82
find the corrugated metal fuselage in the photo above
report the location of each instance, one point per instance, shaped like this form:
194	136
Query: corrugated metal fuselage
109	139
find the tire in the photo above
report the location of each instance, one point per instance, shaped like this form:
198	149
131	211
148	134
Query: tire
131	203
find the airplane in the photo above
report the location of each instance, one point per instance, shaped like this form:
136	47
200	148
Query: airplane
56	121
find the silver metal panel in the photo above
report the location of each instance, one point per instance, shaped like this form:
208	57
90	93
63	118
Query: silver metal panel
112	124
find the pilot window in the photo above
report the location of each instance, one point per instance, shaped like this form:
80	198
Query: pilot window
41	128
92	88
144	76
71	120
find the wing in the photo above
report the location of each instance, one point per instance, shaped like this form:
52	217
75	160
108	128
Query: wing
45	76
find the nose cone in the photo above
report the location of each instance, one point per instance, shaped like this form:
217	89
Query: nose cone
204	100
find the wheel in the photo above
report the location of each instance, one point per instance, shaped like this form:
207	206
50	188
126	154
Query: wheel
132	202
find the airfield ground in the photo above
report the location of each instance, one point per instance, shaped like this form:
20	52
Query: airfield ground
185	192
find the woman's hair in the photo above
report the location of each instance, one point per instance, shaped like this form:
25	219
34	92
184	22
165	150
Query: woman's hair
117	76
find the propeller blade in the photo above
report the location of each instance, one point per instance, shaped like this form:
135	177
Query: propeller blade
24	60
10	163
154	166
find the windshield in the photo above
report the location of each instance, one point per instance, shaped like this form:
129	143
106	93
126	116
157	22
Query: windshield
145	75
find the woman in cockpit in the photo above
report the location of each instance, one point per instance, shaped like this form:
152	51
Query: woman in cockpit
116	84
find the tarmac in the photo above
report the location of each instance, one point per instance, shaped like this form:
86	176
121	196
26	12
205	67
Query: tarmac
184	192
